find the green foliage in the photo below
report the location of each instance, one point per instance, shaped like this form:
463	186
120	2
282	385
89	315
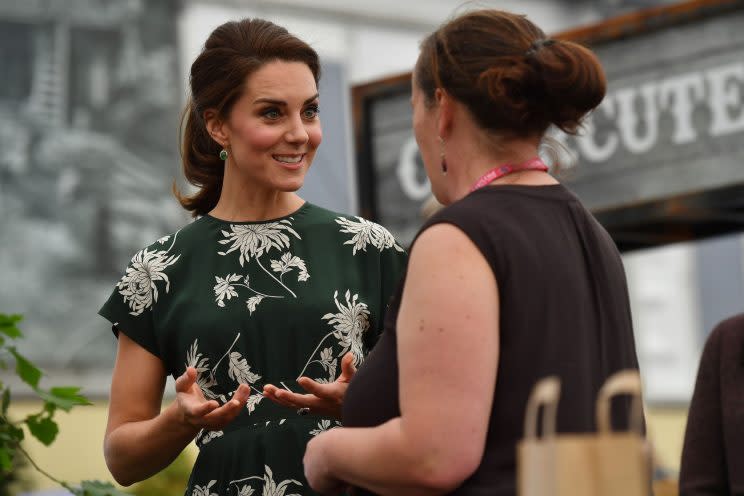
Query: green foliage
95	488
40	425
16	482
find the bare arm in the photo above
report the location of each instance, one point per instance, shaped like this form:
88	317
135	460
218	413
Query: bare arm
448	356
141	439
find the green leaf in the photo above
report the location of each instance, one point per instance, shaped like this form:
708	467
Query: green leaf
8	325
62	397
50	408
42	428
6	401
97	488
6	460
70	394
66	392
11	433
26	370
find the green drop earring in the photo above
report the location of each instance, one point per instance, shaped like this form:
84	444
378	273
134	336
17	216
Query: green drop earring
223	154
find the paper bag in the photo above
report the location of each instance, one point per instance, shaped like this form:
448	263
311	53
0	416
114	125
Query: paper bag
605	463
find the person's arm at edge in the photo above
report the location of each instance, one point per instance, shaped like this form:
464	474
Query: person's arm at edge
448	356
703	468
141	439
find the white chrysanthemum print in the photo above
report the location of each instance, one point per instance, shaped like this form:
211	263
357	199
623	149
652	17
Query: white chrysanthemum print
287	262
195	359
253	240
138	284
208	436
349	325
271	488
253	302
204	376
164	239
366	232
253	401
204	490
245	491
329	363
224	288
323	426
239	370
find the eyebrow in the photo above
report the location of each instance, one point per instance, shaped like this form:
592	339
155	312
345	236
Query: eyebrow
282	102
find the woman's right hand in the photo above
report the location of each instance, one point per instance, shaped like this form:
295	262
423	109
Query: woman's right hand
200	413
322	399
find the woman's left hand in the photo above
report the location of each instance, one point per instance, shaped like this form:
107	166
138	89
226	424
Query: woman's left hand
317	472
322	399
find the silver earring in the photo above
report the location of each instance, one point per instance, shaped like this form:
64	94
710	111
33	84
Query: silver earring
223	154
442	158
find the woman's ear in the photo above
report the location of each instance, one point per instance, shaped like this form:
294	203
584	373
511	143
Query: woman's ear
216	127
445	113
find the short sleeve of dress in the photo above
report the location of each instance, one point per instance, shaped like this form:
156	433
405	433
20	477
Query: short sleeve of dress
392	266
129	307
392	269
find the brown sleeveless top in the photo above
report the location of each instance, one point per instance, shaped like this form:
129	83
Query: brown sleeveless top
564	311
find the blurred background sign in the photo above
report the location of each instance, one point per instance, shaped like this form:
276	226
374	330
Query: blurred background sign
661	160
88	134
663	156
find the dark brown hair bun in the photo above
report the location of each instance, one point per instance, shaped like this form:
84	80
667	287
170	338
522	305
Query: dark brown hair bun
511	78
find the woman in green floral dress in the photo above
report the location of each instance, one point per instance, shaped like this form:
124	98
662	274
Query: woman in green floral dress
262	288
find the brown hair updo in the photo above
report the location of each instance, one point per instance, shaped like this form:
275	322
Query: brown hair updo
233	51
511	79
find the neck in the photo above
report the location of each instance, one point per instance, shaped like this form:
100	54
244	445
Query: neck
241	201
484	164
477	163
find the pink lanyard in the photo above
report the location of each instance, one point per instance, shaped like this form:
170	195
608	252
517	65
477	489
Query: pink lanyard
503	170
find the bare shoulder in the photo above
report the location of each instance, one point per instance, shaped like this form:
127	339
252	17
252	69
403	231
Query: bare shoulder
446	242
446	266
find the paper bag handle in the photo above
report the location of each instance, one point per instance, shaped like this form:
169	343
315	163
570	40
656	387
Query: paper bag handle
545	393
623	382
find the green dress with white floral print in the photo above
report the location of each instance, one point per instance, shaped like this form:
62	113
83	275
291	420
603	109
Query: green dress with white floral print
256	303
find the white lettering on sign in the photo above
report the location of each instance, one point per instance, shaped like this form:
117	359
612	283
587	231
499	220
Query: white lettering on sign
627	120
413	187
679	95
726	99
634	114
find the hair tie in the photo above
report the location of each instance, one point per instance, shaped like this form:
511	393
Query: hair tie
538	45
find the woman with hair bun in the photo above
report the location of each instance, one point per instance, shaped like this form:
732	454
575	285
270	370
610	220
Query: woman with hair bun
512	281
263	287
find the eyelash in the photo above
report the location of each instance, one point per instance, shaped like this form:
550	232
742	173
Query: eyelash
315	109
267	112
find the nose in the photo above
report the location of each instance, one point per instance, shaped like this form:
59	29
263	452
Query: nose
296	132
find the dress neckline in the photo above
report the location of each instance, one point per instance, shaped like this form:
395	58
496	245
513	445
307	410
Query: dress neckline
300	211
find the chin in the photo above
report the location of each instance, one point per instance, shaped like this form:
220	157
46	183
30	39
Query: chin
290	186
